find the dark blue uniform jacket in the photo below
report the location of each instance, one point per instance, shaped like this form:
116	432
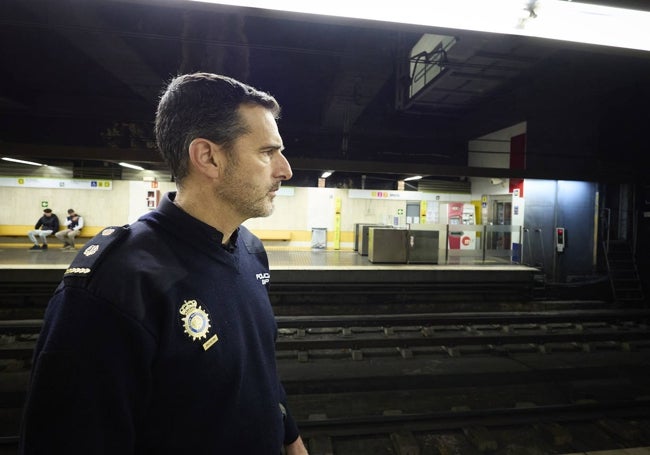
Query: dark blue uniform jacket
159	340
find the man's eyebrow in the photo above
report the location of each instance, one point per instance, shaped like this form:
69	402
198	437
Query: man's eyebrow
278	147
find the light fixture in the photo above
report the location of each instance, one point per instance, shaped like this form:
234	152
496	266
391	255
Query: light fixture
14	160
415	177
553	19
326	174
132	166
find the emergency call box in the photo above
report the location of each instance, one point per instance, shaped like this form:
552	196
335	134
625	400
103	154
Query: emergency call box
560	239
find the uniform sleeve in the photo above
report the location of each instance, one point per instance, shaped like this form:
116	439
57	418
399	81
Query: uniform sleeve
56	223
80	223
90	379
291	431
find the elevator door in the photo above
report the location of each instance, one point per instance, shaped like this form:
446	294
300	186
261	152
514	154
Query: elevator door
501	215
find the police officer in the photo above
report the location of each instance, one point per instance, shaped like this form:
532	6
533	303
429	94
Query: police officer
161	336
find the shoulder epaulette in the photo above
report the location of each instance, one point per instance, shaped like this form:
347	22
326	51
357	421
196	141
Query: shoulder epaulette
92	253
253	244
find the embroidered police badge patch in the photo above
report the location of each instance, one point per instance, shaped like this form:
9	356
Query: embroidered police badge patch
195	320
92	249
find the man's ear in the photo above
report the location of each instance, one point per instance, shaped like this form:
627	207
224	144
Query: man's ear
204	156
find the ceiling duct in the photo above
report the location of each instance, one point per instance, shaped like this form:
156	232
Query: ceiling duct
445	186
94	170
447	75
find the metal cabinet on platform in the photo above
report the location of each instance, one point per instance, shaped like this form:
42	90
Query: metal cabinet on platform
387	245
423	246
362	234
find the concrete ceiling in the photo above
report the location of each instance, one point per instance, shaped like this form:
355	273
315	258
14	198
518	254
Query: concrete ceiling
80	81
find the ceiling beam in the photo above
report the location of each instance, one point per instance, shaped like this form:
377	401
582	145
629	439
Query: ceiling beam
590	172
108	50
73	153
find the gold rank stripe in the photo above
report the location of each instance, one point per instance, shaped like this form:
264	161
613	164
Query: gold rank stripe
210	342
77	271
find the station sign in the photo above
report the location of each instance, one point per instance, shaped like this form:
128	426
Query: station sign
70	184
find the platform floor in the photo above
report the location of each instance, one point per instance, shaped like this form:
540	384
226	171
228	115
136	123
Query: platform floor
300	267
279	259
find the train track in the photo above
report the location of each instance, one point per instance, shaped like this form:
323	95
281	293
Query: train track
418	368
530	430
502	318
25	299
412	331
494	330
390	383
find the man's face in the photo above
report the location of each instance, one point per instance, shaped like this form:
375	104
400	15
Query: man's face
47	214
254	173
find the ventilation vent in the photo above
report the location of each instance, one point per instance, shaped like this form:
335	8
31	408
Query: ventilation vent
445	186
110	172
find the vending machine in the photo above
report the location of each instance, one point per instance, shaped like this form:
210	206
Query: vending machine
468	238
457	214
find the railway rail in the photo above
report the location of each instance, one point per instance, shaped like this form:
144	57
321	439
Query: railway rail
22	297
576	317
408	331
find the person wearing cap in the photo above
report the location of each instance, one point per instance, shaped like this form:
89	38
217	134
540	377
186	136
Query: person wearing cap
45	226
73	223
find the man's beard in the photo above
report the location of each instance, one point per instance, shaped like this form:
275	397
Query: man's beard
249	200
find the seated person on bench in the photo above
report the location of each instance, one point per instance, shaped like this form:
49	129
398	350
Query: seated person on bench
46	225
74	223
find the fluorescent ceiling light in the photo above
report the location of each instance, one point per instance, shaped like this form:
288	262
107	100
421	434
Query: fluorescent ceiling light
326	174
415	177
553	19
14	160
132	166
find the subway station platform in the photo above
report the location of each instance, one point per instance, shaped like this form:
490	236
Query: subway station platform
297	266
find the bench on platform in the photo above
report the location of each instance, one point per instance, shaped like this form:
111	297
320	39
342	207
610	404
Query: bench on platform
272	234
15	235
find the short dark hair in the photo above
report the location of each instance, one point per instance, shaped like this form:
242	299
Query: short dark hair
70	210
203	105
47	211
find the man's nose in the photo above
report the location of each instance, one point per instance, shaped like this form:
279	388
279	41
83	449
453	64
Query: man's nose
284	171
